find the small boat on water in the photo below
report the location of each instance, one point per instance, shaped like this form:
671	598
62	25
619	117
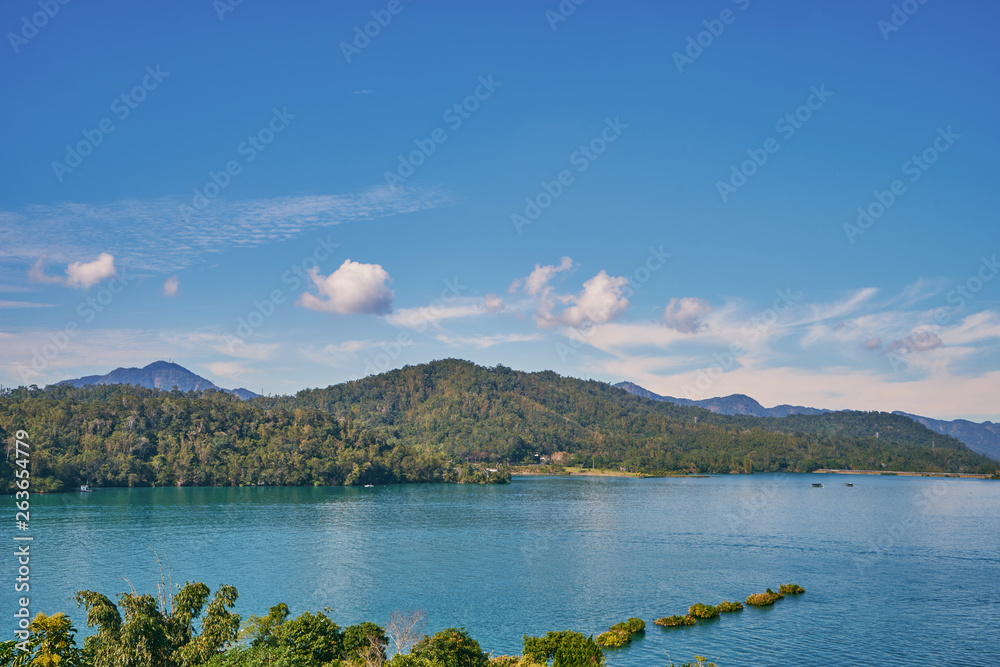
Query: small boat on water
818	485
85	488
369	486
848	483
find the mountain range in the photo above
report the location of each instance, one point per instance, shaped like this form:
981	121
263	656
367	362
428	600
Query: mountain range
157	375
446	420
983	438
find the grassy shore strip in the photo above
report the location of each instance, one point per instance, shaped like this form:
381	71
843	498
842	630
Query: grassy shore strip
574	471
903	473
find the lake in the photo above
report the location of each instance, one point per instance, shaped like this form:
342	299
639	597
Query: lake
897	571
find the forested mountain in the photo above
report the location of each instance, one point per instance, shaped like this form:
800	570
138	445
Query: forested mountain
447	420
157	375
464	410
983	438
119	435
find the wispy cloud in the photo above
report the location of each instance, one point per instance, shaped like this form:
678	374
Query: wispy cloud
152	234
483	342
24	304
420	316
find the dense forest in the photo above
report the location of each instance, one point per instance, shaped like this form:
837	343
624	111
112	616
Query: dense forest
120	435
470	411
446	421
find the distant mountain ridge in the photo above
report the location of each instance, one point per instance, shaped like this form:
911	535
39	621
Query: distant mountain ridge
734	404
982	438
157	375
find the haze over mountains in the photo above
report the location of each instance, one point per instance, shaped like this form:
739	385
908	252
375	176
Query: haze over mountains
983	438
157	375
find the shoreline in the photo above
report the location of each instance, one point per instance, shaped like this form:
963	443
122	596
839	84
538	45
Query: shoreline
572	471
901	473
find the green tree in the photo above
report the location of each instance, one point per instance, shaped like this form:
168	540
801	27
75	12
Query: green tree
452	647
51	643
565	649
142	632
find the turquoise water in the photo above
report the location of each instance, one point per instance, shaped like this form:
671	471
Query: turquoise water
897	571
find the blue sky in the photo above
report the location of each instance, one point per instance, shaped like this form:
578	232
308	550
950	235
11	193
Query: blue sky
704	157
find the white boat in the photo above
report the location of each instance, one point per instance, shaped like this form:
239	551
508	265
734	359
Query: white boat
85	488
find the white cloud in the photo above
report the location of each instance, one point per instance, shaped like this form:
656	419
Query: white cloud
537	282
171	286
493	303
918	341
86	274
602	298
685	314
352	289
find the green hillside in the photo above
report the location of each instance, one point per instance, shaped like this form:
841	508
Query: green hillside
446	421
464	410
120	435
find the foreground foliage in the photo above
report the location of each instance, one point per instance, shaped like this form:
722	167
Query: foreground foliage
148	631
564	649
